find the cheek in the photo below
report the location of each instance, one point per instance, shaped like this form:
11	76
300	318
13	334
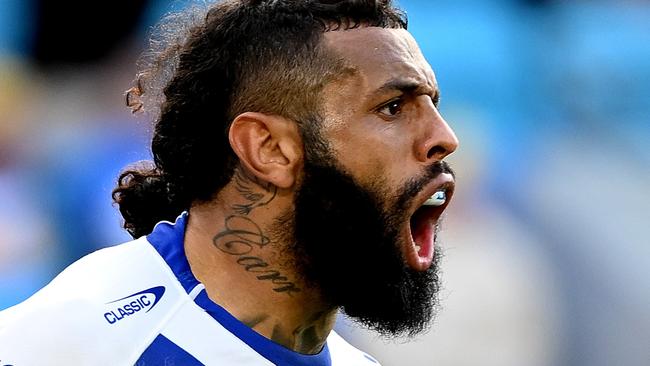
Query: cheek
369	156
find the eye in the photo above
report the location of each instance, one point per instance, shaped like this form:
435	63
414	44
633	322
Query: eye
436	100
391	108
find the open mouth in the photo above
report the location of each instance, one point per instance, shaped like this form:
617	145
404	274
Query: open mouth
423	222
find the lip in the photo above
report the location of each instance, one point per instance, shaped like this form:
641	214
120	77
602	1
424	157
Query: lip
445	182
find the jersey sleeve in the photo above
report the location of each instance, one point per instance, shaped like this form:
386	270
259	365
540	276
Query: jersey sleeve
53	327
42	331
66	323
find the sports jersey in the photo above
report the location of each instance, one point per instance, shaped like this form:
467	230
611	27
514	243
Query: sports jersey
138	303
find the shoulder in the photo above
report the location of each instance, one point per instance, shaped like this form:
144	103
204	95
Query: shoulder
343	353
98	275
62	323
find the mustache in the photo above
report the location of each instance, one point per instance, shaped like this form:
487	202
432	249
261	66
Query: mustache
437	168
415	185
430	173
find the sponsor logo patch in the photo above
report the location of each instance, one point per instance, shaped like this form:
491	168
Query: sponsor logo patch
130	305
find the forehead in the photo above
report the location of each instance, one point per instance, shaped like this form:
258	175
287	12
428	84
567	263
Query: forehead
381	54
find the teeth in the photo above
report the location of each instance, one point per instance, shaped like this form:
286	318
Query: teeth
437	199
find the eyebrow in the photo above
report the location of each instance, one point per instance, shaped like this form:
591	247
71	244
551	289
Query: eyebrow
406	86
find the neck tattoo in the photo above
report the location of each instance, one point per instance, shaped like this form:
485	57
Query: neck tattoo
241	235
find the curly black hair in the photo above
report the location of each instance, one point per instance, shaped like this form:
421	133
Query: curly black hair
208	65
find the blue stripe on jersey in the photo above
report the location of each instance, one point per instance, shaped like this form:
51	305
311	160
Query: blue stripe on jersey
168	239
165	352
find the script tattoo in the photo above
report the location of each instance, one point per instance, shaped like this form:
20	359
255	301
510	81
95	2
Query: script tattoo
241	234
257	265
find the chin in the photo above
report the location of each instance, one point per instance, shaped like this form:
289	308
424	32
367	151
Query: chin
397	308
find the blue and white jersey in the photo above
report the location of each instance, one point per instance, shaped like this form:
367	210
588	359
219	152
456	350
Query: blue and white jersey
138	303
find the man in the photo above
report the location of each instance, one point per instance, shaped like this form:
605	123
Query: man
301	144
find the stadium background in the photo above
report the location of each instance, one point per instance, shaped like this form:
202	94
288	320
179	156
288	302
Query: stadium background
547	249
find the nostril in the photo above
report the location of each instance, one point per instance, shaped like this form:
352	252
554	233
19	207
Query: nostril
436	151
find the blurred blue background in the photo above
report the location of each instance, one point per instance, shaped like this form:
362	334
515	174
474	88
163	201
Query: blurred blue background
546	242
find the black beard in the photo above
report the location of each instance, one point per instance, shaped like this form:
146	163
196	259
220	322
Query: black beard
348	246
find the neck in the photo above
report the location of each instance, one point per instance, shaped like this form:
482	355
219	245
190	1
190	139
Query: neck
245	269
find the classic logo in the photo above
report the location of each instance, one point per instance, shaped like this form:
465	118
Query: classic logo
132	304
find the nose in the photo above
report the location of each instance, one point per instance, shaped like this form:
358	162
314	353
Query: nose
438	141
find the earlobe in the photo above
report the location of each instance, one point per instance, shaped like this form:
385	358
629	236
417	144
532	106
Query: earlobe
268	146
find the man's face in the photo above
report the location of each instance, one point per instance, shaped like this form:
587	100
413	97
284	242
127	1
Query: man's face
363	233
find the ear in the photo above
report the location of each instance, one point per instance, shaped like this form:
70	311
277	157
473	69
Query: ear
269	146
